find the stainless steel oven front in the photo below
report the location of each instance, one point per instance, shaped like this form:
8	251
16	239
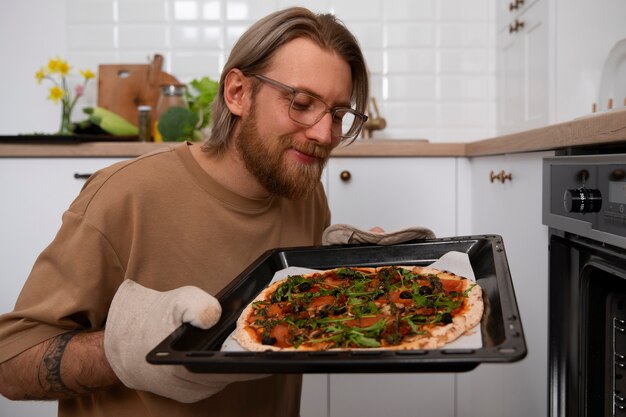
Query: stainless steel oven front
584	206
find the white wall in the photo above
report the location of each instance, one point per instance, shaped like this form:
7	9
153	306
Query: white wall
432	62
30	32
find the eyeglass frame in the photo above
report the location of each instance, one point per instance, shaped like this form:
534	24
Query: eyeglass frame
294	91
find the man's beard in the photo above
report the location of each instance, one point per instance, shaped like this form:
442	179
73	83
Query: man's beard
264	158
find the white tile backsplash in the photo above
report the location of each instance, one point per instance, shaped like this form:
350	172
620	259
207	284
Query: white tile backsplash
90	37
482	10
422	88
142	11
95	11
142	36
465	34
432	63
358	10
202	37
411	61
409	34
409	10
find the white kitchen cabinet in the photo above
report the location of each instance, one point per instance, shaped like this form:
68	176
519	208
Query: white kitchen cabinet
391	395
393	193
513	210
584	33
34	193
523	69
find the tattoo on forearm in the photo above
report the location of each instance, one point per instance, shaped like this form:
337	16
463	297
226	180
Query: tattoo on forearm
50	379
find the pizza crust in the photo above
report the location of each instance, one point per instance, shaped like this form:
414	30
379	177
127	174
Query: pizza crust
440	335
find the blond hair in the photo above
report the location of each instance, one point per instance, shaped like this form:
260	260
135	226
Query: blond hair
255	48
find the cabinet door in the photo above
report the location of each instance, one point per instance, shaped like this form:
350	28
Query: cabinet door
394	193
523	70
35	192
513	210
387	395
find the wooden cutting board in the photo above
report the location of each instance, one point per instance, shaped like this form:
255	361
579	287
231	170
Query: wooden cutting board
123	87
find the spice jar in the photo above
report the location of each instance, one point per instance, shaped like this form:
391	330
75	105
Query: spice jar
145	126
172	95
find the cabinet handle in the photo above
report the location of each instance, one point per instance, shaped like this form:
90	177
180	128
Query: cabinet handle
514	5
501	176
345	176
80	176
515	26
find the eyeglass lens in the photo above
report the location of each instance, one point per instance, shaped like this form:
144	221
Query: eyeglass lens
309	110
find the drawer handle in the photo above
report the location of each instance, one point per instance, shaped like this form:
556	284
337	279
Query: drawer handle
501	176
515	26
345	176
80	176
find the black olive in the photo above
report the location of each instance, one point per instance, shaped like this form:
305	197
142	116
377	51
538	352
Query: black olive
406	295
305	286
338	310
446	318
425	290
268	340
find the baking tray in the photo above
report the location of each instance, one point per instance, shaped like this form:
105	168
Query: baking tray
502	335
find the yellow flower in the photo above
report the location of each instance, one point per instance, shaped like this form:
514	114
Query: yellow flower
53	65
64	67
40	75
87	74
55	94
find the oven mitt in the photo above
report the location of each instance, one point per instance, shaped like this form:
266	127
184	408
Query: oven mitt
339	234
139	319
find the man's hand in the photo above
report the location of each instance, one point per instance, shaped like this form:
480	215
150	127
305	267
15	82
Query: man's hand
139	319
340	234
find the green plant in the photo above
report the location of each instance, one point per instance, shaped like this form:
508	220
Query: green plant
200	99
180	124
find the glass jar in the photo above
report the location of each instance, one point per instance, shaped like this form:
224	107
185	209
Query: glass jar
172	95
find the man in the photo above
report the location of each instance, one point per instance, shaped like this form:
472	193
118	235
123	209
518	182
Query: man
109	285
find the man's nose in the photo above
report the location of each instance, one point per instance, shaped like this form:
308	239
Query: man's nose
321	131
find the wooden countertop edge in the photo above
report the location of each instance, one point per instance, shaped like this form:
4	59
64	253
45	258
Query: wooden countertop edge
399	148
361	148
603	128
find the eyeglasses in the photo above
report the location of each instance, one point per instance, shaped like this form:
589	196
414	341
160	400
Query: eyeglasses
307	110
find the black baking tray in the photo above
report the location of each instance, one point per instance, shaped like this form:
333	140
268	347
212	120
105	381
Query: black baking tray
502	335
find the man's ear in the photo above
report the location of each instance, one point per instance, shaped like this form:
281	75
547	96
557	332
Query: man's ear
236	91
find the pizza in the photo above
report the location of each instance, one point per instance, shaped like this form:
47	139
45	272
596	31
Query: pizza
390	307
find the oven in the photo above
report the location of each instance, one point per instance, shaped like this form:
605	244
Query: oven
584	206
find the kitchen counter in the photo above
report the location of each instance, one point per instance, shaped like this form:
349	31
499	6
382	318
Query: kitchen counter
602	128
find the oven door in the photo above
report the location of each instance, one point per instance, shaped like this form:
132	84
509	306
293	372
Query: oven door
587	327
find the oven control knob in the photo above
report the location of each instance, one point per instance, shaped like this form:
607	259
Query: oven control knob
582	200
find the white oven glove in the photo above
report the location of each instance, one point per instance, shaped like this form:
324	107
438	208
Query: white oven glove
339	234
139	319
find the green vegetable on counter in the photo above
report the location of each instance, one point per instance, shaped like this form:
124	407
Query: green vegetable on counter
110	122
178	124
